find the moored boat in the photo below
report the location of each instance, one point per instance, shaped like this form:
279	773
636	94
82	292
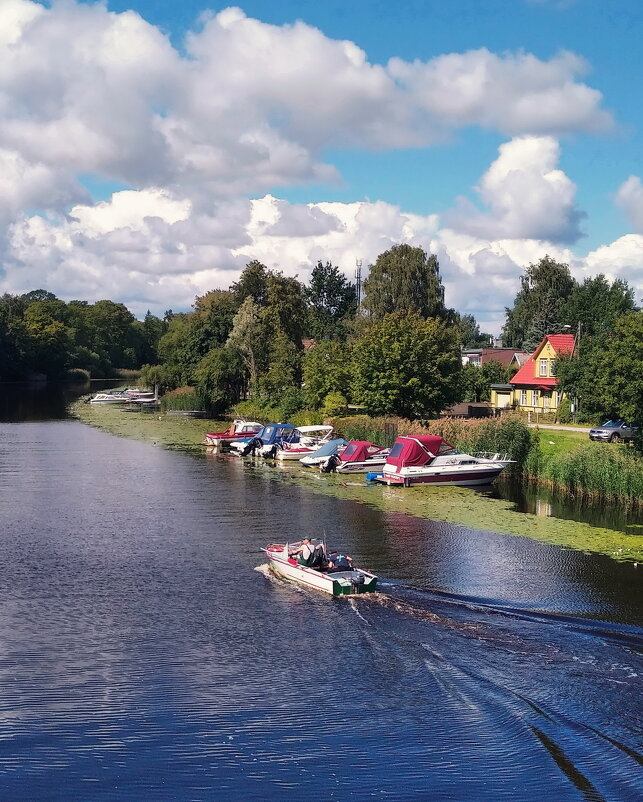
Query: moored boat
359	456
319	456
430	459
273	434
343	582
237	430
310	440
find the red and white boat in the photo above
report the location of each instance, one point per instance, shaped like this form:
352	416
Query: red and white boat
430	459
237	430
329	580
359	456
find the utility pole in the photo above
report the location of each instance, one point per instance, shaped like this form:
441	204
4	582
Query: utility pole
358	282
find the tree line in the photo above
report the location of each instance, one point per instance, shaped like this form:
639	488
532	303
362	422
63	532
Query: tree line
399	353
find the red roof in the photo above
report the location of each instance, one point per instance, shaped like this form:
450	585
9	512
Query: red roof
562	344
503	355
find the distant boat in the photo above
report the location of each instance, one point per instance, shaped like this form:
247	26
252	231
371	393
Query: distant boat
430	459
110	397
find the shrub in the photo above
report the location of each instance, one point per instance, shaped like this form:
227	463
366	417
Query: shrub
77	375
564	414
334	404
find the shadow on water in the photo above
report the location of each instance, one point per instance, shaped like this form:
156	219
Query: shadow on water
42	401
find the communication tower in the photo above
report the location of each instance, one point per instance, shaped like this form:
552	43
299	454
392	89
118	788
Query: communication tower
358	282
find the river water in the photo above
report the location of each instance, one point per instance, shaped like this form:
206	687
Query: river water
146	653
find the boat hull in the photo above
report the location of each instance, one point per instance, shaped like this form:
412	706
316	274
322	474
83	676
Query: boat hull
339	583
468	478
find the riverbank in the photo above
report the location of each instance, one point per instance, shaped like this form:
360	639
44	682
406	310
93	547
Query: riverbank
449	504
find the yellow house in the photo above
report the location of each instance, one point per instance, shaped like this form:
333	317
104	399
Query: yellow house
534	387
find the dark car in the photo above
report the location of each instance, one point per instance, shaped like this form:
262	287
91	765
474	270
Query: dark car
614	431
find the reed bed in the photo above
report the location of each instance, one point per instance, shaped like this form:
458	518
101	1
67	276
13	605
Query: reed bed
183	398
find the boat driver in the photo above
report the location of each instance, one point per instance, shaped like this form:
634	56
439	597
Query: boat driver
304	552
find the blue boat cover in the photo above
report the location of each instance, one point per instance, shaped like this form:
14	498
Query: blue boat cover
329	448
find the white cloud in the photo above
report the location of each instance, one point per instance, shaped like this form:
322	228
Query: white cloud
247	107
630	198
528	196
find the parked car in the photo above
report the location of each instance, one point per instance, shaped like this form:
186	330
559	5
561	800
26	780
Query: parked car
614	431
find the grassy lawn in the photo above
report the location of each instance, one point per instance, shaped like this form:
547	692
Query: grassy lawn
553	441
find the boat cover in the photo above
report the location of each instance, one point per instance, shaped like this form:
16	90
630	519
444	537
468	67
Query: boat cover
329	448
416	450
359	451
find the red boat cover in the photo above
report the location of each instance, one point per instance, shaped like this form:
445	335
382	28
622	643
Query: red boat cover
359	450
415	451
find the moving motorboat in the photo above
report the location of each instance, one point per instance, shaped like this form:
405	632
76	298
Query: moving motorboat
325	451
359	456
237	430
262	443
430	459
310	439
333	574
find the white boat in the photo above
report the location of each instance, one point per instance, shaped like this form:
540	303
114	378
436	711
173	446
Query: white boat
310	439
110	397
328	449
430	459
359	456
334	582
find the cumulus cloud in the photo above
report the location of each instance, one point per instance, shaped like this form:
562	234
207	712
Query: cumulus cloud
244	107
528	196
248	106
630	198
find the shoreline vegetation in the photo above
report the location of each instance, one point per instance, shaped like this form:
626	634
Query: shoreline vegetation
460	506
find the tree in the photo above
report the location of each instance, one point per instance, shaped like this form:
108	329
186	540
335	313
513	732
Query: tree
286	308
283	371
406	365
209	326
606	373
475	382
219	379
404	279
248	338
331	298
326	369
470	333
48	339
537	307
596	305
252	282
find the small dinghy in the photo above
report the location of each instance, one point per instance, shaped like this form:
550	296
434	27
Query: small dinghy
334	574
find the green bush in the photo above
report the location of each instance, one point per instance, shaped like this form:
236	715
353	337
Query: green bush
334	404
77	375
564	414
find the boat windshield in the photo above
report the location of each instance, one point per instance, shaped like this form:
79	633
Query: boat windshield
445	448
396	450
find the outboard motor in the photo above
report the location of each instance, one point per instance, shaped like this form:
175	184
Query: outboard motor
272	451
330	465
357	580
252	446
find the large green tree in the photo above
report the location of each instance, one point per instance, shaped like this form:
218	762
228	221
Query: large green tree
544	287
407	365
470	334
219	379
606	373
326	369
249	338
404	279
596	305
253	282
331	299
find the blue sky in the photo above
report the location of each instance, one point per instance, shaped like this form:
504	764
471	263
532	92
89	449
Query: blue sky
148	158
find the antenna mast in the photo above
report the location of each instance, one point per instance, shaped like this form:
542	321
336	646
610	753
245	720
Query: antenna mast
358	282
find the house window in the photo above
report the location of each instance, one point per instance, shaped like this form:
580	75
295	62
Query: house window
557	398
552	368
523	398
546	400
543	367
535	395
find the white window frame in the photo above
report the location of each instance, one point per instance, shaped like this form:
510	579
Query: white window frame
535	397
547	400
542	369
523	398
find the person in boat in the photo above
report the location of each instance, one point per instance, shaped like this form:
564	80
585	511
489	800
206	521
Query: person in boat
340	562
304	553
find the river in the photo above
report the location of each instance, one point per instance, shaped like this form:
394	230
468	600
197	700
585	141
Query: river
146	653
